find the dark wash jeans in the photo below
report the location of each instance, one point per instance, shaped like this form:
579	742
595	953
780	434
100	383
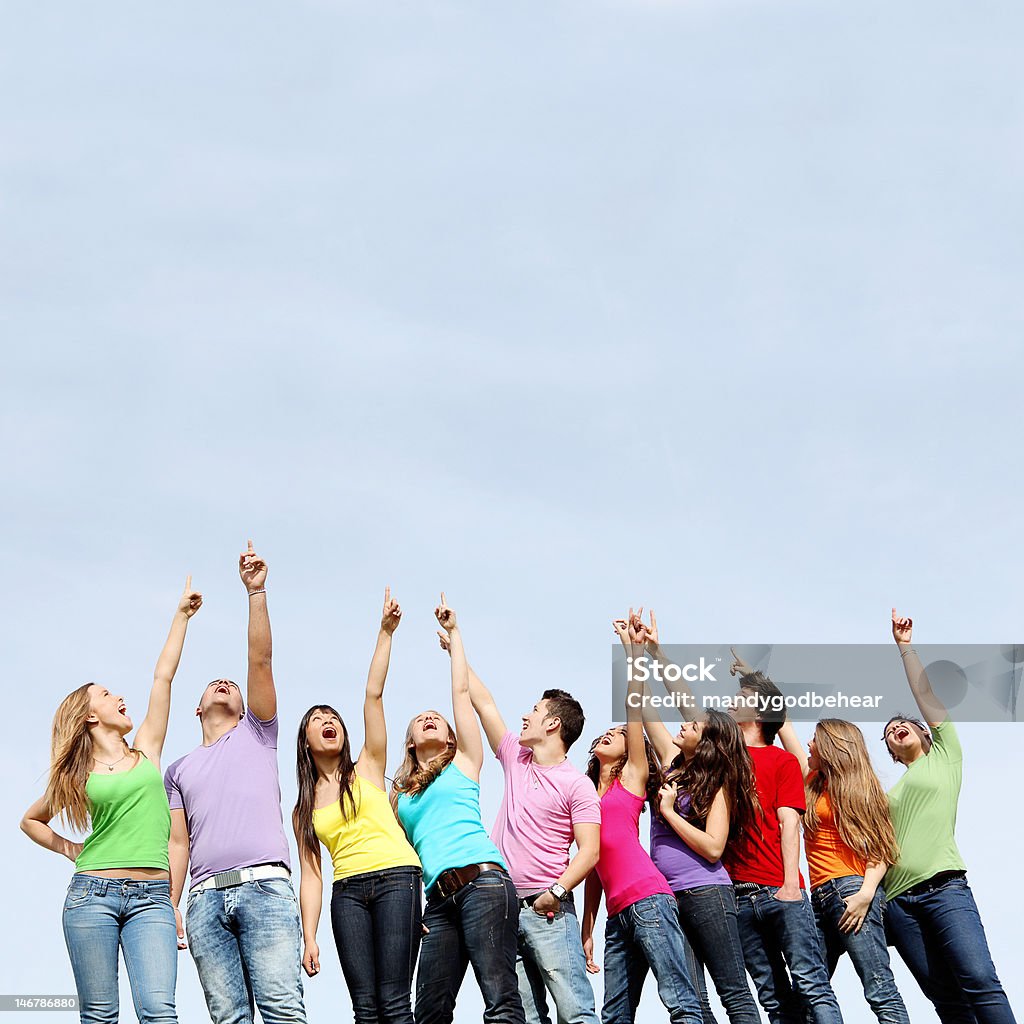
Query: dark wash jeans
376	919
867	948
478	925
779	934
709	918
939	934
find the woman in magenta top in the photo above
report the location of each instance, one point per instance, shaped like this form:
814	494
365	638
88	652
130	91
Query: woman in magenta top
643	924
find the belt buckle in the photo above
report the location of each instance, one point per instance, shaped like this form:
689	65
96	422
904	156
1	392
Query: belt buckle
226	879
443	888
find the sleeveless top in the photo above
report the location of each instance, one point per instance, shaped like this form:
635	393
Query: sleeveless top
443	824
625	868
131	820
370	839
682	866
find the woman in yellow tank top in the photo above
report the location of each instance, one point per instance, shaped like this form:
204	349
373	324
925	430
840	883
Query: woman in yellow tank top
120	893
375	902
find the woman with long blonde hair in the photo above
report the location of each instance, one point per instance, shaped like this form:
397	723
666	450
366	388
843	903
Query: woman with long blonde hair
850	844
119	895
472	912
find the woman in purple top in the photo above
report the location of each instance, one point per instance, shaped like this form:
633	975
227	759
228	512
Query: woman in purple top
643	931
707	799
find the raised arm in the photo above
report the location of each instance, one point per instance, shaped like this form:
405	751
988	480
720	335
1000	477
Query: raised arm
260	694
311	898
647	635
178	851
374	756
470	755
483	704
153	730
637	769
35	823
791	742
933	711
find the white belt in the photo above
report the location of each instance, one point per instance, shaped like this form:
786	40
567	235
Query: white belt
226	879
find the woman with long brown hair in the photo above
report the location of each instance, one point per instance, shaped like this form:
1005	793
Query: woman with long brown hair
850	845
472	912
707	799
119	895
375	901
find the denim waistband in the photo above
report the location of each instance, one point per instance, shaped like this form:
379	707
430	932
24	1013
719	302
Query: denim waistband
100	885
933	883
400	869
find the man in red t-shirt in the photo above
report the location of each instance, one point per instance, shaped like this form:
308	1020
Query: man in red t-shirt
780	939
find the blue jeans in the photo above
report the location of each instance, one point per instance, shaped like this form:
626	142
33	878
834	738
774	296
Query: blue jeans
646	935
867	948
101	914
784	958
376	919
245	941
708	917
476	925
551	961
939	934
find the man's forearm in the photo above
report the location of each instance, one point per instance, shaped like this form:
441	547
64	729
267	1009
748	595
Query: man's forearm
791	854
260	645
179	869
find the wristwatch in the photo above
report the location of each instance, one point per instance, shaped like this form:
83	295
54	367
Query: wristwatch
558	891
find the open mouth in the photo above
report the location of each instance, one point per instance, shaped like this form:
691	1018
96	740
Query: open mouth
430	725
123	710
329	732
900	735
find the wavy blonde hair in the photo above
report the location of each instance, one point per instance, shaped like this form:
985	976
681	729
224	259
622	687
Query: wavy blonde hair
71	759
411	778
859	804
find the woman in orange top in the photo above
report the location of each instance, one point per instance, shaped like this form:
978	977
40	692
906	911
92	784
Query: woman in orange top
850	844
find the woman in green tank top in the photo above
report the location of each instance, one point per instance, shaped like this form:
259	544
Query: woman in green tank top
120	893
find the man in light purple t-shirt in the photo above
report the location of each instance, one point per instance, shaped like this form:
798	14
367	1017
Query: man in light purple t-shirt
225	797
548	805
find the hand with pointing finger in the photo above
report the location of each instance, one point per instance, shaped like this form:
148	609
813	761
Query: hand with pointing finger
739	667
445	616
190	601
391	615
252	569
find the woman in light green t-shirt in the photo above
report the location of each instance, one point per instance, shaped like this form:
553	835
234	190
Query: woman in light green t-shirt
932	918
120	893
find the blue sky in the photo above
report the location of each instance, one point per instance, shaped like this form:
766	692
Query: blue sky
711	307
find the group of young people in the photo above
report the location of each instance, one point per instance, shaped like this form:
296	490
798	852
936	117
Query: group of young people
422	890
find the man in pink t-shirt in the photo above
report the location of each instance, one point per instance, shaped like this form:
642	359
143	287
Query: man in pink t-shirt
548	805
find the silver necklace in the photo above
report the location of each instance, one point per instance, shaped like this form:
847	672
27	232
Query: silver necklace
110	767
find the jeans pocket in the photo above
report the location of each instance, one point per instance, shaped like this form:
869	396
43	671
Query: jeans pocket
276	888
646	912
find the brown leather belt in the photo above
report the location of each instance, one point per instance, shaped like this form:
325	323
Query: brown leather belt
451	881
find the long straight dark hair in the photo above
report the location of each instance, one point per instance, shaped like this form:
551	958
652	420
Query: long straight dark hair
306	776
721	761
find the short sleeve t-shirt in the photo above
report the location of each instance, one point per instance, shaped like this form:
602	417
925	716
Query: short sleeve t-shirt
923	809
756	856
231	796
540	808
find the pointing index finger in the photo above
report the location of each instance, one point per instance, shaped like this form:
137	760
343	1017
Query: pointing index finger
251	549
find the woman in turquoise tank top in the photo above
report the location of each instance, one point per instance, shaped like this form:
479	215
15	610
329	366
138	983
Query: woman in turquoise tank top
375	900
120	893
472	912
